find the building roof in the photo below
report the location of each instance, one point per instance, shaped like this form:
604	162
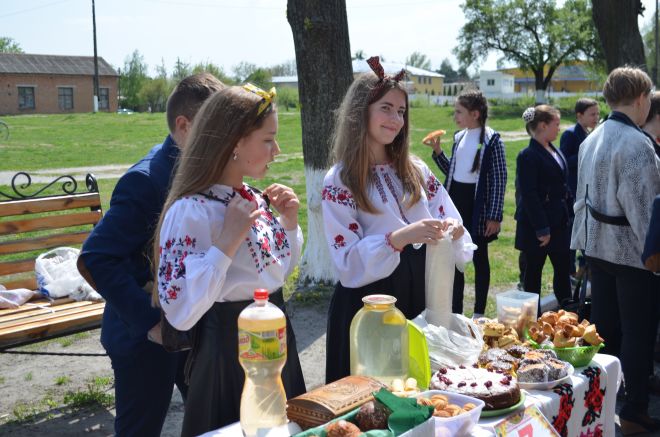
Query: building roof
21	63
284	79
361	66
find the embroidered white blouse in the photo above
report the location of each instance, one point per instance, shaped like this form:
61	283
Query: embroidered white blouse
357	239
193	273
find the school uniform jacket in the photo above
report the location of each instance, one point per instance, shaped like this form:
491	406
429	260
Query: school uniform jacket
569	144
619	165
545	201
489	194
117	250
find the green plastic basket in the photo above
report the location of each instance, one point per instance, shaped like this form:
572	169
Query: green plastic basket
578	356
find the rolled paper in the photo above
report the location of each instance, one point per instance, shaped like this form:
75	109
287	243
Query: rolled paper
440	266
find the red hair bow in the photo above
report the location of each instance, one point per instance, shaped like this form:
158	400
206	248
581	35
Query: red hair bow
374	63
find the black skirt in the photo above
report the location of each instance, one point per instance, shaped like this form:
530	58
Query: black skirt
216	376
406	283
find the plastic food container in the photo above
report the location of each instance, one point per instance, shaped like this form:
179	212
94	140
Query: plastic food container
517	309
460	425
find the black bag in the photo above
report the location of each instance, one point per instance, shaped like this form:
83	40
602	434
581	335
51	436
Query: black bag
579	303
173	339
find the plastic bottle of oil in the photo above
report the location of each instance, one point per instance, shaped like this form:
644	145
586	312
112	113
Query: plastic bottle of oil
262	353
379	340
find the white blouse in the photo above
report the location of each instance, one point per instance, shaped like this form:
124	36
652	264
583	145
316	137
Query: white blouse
193	273
465	153
357	239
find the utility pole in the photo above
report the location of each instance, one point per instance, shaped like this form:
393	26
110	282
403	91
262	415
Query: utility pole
96	63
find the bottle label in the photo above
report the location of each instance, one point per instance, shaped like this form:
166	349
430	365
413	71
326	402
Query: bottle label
262	345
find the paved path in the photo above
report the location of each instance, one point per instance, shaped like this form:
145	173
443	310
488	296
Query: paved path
79	173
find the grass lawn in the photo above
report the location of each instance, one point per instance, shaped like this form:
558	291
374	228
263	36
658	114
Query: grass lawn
80	140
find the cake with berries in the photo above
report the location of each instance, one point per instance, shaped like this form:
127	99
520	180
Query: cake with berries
498	390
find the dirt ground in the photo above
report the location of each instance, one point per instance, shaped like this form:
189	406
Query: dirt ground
29	383
33	387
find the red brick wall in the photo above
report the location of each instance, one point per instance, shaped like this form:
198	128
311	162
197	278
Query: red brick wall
46	92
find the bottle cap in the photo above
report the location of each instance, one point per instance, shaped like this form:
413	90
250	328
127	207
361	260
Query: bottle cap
261	293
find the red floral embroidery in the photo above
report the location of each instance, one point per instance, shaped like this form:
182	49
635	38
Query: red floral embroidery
433	186
353	227
441	210
173	292
593	398
338	195
566	403
339	242
172	264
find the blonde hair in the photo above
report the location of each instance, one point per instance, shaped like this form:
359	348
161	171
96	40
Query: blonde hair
225	118
542	114
625	84
349	142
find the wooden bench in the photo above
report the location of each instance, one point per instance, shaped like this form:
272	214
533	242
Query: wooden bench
31	224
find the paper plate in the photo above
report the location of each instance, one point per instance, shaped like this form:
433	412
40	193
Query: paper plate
492	413
548	384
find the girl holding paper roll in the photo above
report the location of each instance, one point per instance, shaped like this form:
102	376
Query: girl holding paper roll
380	205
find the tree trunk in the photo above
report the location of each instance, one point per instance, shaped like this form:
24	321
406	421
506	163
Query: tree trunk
616	21
323	59
540	86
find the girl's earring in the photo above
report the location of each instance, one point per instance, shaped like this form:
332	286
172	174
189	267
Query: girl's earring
235	156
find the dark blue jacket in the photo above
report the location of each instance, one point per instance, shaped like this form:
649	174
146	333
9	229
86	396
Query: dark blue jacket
491	185
569	144
117	251
652	244
545	203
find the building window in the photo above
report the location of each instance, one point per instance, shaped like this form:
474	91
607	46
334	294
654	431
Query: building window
490	82
25	97
104	98
65	97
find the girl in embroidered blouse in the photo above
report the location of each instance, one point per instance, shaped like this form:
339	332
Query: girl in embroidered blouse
377	203
218	240
476	181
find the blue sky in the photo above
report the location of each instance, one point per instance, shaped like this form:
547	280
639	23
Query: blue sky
226	32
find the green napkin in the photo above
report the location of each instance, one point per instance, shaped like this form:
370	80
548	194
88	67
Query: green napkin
406	412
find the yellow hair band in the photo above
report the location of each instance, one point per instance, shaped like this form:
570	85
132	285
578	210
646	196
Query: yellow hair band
268	96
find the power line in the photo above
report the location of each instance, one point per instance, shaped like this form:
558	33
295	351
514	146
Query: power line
34	8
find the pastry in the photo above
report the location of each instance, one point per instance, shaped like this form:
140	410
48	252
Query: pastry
591	336
493	329
433	135
536	372
562	341
557	369
342	428
372	415
517	351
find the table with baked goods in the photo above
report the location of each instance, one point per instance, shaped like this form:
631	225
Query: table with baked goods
583	405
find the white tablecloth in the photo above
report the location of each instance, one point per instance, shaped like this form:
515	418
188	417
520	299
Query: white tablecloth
582	406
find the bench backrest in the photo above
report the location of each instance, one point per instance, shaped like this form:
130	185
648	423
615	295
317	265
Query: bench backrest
31	225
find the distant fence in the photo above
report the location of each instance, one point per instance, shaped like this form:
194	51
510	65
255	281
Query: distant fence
449	100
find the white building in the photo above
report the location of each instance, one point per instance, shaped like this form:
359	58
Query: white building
496	84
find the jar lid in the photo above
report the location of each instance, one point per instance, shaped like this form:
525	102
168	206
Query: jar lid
261	293
379	299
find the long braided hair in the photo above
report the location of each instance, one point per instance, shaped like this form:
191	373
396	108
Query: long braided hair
474	100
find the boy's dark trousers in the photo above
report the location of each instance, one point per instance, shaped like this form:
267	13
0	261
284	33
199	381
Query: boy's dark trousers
142	399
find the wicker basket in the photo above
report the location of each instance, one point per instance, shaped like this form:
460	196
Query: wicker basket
578	356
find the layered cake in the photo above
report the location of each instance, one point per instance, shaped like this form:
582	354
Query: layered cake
496	389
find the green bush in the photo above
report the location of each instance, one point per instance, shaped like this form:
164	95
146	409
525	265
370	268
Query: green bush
287	98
